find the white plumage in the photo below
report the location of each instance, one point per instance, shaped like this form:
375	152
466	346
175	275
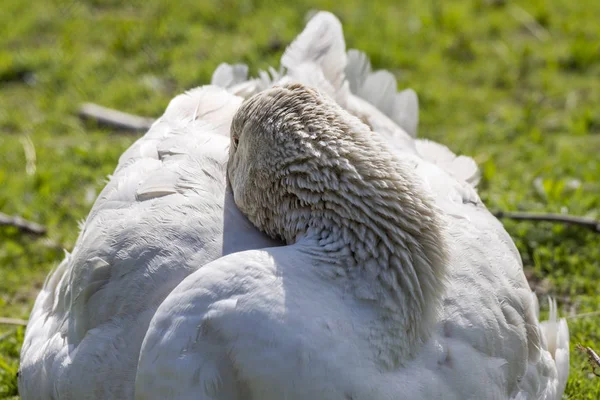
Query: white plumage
164	213
249	324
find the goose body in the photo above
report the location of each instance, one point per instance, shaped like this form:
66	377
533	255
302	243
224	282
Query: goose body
167	295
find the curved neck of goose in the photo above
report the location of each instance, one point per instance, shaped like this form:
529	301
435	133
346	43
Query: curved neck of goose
376	223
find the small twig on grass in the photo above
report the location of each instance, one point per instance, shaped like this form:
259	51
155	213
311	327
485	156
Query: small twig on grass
13	321
114	119
52	244
529	22
22	224
7	334
30	156
589	223
584	315
593	358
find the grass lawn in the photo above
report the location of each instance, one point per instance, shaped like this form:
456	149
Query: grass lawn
515	86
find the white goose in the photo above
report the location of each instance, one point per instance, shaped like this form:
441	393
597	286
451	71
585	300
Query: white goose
396	282
164	213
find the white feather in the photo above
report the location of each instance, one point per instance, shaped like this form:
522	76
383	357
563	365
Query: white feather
461	167
320	45
226	75
379	89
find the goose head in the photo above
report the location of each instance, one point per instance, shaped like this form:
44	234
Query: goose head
277	157
300	166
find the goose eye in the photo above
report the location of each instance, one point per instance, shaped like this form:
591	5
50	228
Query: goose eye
235	140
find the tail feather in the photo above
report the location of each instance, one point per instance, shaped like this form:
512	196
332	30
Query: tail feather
322	44
461	167
406	111
556	333
379	88
234	78
227	75
358	69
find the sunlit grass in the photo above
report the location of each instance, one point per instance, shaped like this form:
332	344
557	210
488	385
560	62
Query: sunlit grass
515	86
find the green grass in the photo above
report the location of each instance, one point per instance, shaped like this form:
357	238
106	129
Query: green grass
514	86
